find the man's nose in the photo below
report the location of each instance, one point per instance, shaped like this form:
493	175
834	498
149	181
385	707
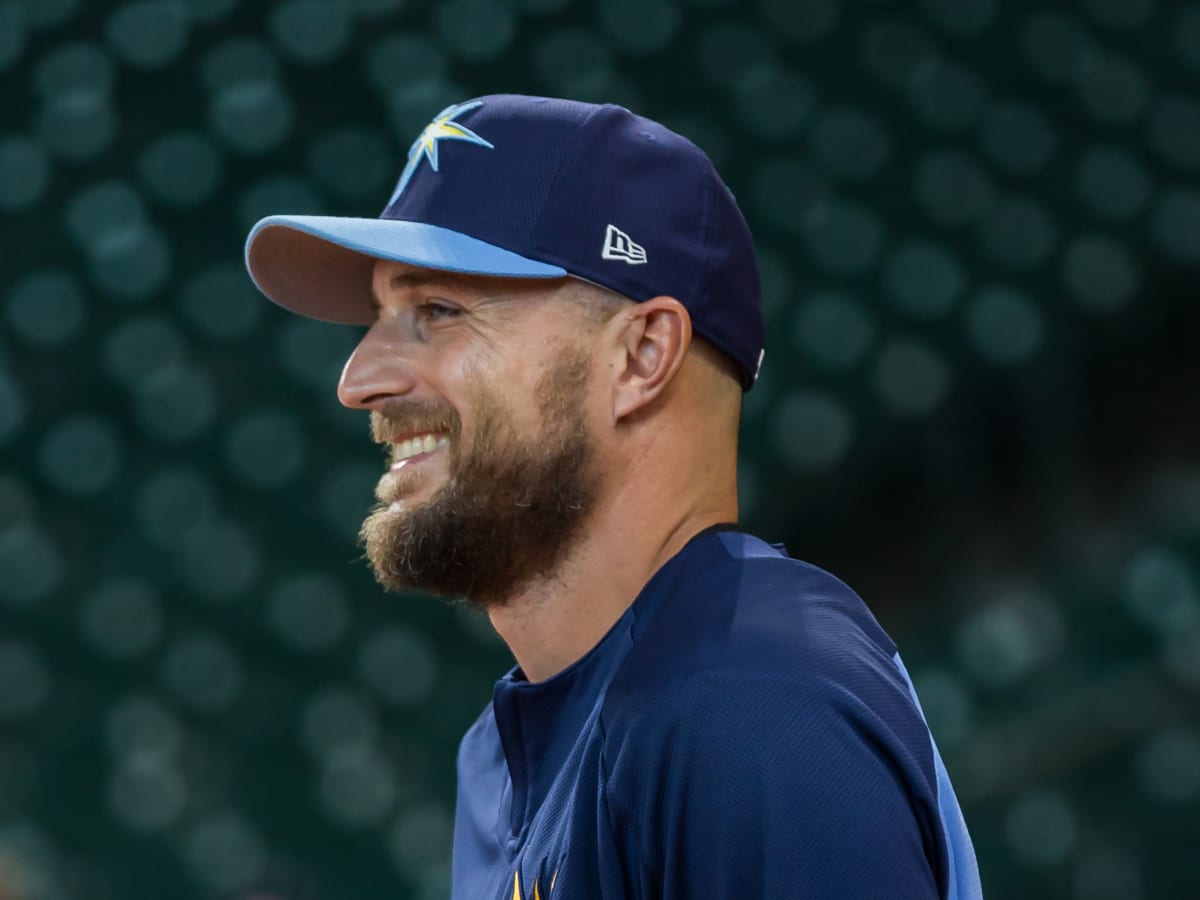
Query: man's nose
377	371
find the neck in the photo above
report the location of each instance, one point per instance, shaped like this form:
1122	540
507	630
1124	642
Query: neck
555	621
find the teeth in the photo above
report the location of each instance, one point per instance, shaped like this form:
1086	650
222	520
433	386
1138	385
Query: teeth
425	443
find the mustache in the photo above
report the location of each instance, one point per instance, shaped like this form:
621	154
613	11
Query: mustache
413	417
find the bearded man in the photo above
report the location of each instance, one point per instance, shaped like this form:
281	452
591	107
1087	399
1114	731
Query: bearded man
562	304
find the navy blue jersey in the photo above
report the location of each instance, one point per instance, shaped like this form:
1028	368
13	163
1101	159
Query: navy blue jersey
745	729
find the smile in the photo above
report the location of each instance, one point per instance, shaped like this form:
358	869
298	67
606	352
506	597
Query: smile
417	445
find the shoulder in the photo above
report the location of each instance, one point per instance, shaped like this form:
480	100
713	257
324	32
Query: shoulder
753	662
760	734
744	613
480	742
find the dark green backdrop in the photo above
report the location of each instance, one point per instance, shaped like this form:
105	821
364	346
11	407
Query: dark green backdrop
979	224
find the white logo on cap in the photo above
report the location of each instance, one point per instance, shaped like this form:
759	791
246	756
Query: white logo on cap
619	245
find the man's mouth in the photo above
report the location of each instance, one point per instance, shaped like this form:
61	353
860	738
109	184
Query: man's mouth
413	448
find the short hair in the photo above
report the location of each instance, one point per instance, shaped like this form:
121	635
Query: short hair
600	304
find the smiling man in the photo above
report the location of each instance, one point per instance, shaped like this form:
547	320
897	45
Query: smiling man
562	304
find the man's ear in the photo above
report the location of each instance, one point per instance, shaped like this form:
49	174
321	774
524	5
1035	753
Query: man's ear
652	342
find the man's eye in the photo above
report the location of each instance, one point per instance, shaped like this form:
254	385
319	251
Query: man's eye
435	311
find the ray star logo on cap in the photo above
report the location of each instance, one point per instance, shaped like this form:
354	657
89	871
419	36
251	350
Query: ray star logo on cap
534	187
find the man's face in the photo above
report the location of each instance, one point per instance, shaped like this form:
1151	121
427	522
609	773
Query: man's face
478	389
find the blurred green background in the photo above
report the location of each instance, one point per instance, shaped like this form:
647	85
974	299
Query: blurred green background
979	225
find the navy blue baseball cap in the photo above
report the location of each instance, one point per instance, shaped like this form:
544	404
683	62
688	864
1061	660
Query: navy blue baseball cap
534	187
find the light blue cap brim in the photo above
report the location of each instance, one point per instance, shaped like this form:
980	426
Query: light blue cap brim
321	266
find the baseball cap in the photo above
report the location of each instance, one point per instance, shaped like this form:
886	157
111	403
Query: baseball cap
536	187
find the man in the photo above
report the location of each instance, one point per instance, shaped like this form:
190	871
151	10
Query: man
563	312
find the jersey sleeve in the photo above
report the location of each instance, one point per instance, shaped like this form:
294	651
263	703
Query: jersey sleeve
753	785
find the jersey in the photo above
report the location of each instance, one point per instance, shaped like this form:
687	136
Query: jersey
745	729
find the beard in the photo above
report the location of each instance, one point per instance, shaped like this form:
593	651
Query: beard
512	507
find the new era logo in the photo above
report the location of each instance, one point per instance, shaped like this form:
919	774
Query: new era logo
619	245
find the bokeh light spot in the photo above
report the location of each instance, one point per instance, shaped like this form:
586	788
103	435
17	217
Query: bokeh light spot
225	852
786	190
252	117
1159	591
47	308
1176	223
78	124
1100	273
276	194
1041	828
1186	32
924	278
32	562
130	263
101	208
81	455
850	143
574	63
1056	45
347	494
953	188
912	378
24	173
403	58
1120	14
729	53
834	329
357	787
1018	232
13	407
308	611
399	666
843	236
1003	326
352	162
235	61
313	353
173	502
1168	766
961	18
338	718
147	34
813	430
1113	89
774	102
181	169
1112	182
266	448
202	670
800	23
1175	130
141	347
1017	137
640	26
25	679
221	560
947	96
12	34
476	30
220	302
176	403
895	50
122	619
147	792
311	31
71	66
